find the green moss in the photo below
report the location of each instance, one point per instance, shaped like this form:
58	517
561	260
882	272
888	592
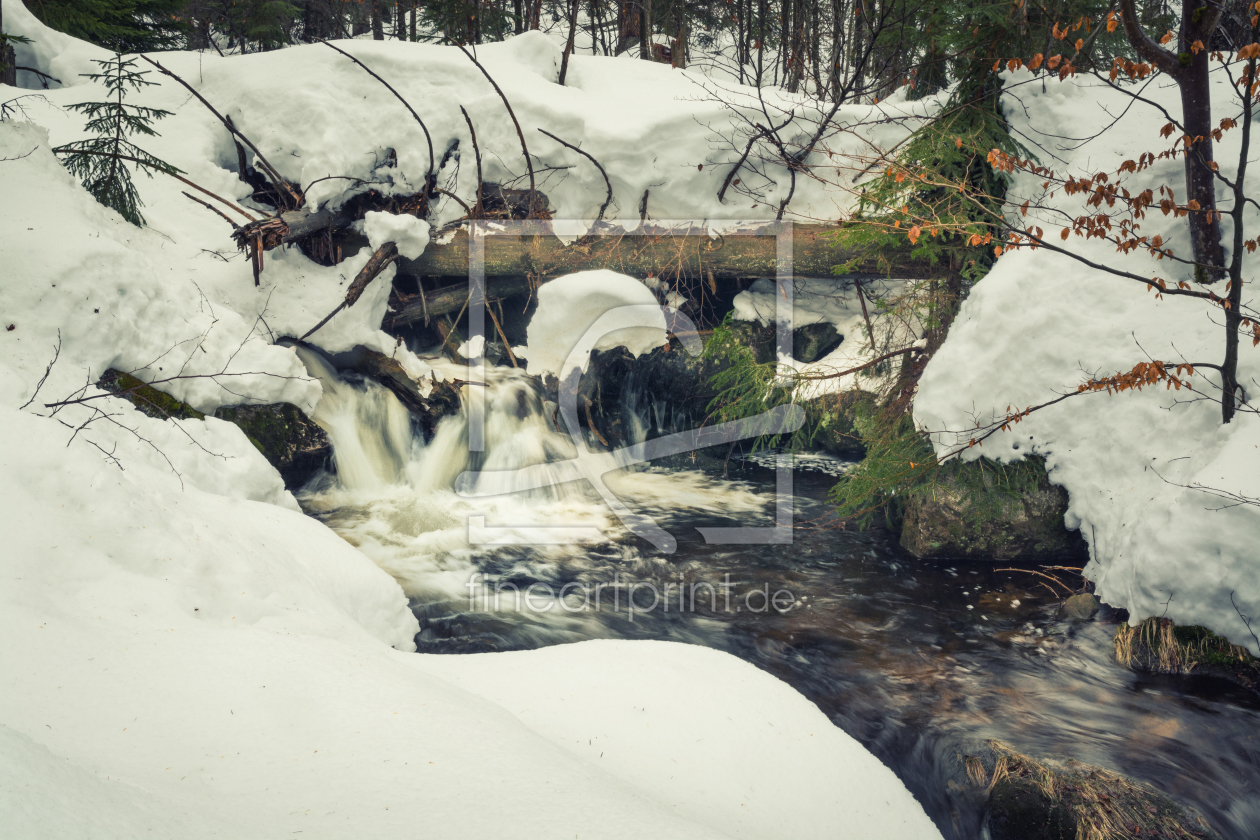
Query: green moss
146	398
293	443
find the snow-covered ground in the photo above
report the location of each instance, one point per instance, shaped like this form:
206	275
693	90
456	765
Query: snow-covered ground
187	655
1041	323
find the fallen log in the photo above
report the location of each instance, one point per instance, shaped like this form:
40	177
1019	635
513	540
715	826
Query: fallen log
516	264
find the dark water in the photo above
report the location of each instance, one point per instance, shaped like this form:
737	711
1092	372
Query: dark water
922	662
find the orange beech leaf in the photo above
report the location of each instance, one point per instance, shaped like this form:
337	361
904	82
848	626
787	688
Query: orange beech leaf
1063	234
1035	62
1166	37
1112	23
1053	61
914	234
958	142
1080	42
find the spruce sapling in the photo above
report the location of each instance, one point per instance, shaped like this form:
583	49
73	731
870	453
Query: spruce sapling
101	161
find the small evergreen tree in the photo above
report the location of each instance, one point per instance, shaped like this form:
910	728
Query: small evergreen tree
101	162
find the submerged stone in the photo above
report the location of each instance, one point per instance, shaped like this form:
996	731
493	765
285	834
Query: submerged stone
1082	606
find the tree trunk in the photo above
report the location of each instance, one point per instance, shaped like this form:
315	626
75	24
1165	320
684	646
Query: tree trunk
628	25
645	30
568	47
1189	69
378	28
8	60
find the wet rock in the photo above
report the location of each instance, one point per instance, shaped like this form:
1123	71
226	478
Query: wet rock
442	399
290	441
966	515
1054	798
666	390
1019	810
831	419
1081	607
811	343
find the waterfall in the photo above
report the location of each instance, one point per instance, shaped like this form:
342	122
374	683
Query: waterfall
375	444
369	428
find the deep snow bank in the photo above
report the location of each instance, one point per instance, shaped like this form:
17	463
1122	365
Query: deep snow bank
1040	323
182	658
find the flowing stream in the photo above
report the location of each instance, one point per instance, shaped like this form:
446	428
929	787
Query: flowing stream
922	662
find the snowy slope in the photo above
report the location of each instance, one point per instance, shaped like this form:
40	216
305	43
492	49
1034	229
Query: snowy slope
187	655
649	125
1040	324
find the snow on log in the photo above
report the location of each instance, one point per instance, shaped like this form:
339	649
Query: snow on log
515	264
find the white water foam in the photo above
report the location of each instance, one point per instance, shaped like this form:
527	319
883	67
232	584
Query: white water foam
393	494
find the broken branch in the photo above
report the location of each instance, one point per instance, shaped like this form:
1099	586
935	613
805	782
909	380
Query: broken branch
384	255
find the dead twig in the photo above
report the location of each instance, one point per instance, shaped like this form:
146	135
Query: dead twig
431	177
592	159
477	154
506	346
384	255
533	189
214	209
280	182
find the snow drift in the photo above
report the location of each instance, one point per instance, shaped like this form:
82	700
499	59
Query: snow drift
1041	323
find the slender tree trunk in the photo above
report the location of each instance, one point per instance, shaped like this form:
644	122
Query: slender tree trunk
1189	69
568	47
645	30
378	30
8	60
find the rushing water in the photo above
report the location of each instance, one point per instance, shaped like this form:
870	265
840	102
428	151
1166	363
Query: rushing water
922	662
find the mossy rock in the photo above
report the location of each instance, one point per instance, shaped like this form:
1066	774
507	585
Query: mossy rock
146	398
831	420
971	511
1158	646
290	441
